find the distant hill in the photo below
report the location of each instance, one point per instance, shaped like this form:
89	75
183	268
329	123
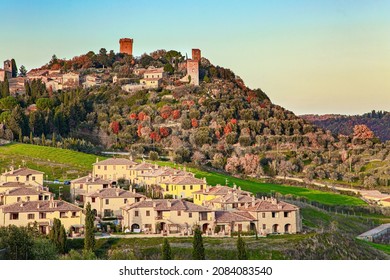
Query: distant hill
378	122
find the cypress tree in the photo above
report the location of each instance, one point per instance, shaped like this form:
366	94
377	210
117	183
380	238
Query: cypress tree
14	69
62	240
166	250
5	91
89	239
241	249
198	249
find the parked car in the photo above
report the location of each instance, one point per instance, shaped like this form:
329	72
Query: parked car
56	181
67	182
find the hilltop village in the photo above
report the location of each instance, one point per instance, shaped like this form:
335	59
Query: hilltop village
143	78
184	202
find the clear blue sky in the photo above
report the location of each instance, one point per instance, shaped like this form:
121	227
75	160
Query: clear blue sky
308	56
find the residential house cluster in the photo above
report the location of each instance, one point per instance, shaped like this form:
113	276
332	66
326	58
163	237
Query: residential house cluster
24	201
185	201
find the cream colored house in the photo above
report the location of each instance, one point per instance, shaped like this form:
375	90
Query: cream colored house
113	168
169	215
43	212
23	175
183	186
70	80
80	187
24	194
137	172
228	221
153	77
211	193
108	202
273	216
157	176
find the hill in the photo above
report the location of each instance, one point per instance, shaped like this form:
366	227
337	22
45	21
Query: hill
378	122
221	123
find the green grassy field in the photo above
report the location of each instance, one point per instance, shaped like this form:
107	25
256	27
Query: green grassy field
255	186
56	163
382	247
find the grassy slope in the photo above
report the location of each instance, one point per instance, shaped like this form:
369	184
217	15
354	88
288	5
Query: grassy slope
256	186
56	163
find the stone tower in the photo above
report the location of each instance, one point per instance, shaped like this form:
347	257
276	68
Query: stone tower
8	66
196	55
193	71
126	46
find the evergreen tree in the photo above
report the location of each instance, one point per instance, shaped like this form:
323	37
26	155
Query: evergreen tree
62	240
197	244
241	249
89	239
14	68
5	87
22	71
166	250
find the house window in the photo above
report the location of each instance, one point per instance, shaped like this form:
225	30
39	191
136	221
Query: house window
107	201
18	199
184	188
263	215
105	167
136	213
286	214
74	214
28	198
33	178
179	213
62	214
81	186
14	216
114	167
239	227
99	167
93	200
42	215
17	179
167	188
274	215
125	200
191	187
264	226
148	213
190	215
31	216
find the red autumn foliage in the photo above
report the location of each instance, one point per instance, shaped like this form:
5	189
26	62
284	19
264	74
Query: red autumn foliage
194	123
176	114
139	130
164	131
115	127
166	112
218	134
141	116
362	132
227	129
233	121
133	116
155	136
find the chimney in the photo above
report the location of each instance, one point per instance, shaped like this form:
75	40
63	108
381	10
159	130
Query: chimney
185	169
97	159
169	204
131	157
246	205
117	192
239	188
38	206
7	191
235	197
207	188
154	204
93	179
90	175
21	205
11	170
234	186
204	180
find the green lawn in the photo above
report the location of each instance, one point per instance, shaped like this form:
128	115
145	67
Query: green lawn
255	186
56	163
382	247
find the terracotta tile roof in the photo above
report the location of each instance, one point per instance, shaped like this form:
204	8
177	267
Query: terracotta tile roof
24	191
230	216
231	198
144	166
44	206
90	180
115	192
24	171
16	185
222	190
116	161
268	205
166	172
163	205
184	180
